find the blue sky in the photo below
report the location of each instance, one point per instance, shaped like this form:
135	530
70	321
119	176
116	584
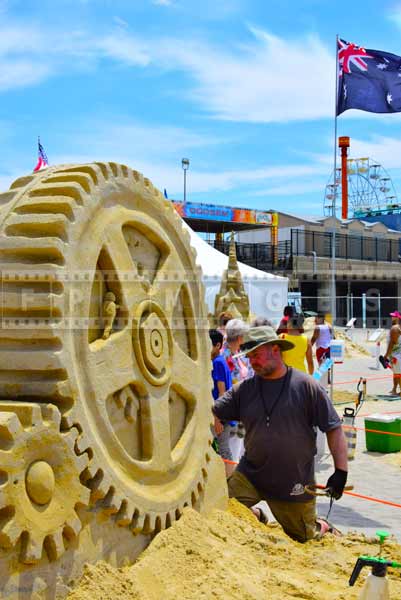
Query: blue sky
243	88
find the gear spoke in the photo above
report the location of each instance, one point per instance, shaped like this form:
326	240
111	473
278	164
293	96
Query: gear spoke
111	362
167	283
160	432
184	372
134	286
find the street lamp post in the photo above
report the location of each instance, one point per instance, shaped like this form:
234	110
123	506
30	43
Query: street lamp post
185	167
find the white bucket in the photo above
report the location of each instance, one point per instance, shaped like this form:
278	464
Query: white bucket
337	350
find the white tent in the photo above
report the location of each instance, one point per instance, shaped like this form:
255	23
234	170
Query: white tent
267	293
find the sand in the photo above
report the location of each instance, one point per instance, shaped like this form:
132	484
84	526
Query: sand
231	555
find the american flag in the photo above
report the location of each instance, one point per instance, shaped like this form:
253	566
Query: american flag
43	162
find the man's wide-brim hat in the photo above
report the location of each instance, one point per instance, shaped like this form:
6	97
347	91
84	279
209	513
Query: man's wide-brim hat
395	314
259	336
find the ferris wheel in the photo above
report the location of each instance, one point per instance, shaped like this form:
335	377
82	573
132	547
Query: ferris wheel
370	189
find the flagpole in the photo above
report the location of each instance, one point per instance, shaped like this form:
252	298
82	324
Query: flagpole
333	237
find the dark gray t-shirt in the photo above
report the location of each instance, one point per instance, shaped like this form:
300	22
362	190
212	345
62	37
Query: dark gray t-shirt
279	458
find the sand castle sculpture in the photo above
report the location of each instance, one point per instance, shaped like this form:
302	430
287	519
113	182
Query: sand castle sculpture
232	296
104	375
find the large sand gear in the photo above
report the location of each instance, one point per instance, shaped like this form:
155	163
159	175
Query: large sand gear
118	425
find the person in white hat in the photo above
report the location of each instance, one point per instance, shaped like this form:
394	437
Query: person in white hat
280	407
393	352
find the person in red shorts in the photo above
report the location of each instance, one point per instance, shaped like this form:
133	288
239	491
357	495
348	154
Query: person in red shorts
322	337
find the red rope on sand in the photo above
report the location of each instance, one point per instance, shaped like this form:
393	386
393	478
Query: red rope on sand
390	412
373	499
367	379
354	494
371	430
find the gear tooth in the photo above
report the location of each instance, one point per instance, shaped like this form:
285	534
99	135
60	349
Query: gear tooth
82	461
159	524
9	535
70	437
10	428
68	420
31	549
52	414
111	503
36	415
169	519
81	444
72	527
84	497
124	515
54	545
138	522
99	486
149	523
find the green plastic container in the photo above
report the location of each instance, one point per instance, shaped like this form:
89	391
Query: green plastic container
378	442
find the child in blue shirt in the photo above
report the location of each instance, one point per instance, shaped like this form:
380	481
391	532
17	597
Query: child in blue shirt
221	383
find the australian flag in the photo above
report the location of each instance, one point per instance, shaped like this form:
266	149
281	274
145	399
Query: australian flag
368	79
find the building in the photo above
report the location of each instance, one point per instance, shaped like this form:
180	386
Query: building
367	264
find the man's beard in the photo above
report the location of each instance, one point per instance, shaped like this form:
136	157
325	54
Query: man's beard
265	370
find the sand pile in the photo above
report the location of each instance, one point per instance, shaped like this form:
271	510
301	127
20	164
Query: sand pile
231	555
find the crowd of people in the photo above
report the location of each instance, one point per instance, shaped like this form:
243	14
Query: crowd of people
262	381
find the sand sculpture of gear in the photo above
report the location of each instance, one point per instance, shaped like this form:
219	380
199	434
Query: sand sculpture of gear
41	489
141	398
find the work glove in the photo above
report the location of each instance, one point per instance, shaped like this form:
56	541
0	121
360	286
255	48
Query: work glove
336	483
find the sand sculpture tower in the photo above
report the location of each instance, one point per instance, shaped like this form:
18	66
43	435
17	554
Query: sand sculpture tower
232	296
105	404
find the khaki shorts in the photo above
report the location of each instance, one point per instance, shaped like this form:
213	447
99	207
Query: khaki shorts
298	519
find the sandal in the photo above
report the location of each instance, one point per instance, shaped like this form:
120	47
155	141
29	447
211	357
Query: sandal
323	526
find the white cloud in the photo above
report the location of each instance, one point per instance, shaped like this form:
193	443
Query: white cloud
162	2
395	16
152	144
271	79
30	55
170	176
19	73
122	48
120	22
130	138
295	188
384	150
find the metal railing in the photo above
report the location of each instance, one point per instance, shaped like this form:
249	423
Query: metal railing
260	256
266	257
349	247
